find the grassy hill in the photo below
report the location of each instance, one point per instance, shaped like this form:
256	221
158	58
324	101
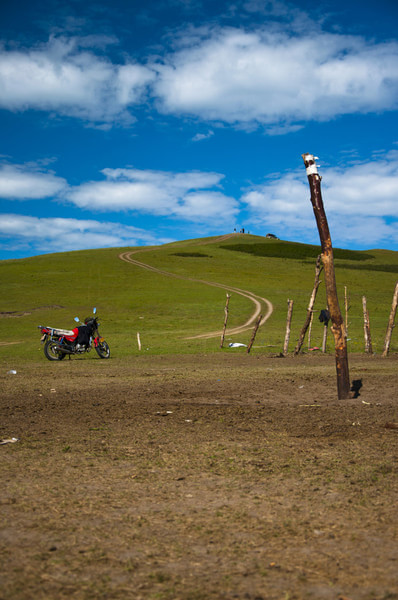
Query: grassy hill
52	289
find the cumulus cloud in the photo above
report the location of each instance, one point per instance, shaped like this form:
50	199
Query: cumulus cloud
360	203
189	196
19	182
65	77
270	77
264	76
60	234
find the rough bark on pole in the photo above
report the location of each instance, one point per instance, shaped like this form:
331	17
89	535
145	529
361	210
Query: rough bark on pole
366	328
256	326
391	321
338	329
288	326
310	308
225	321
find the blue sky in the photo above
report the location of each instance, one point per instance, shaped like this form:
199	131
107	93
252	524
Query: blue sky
130	123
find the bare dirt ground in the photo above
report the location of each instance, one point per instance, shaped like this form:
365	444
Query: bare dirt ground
227	476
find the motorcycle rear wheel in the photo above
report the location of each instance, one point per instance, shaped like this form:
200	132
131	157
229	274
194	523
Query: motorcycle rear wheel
52	352
103	349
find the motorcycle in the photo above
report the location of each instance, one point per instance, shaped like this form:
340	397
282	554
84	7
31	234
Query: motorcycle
61	342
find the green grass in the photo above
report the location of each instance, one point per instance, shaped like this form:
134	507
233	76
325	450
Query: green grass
282	249
52	289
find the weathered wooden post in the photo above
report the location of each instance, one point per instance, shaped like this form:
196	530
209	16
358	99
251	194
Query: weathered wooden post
225	321
288	326
310	330
366	327
338	329
325	337
347	308
310	308
256	326
391	322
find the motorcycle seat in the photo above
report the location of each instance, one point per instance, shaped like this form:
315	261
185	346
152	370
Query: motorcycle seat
66	332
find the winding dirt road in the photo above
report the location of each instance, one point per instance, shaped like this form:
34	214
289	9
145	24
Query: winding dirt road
262	306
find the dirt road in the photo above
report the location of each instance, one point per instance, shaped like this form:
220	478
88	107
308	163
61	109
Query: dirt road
262	306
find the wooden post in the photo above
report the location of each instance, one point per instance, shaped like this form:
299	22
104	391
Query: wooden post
347	308
225	321
318	270
325	337
138	341
288	326
256	326
366	328
391	322
310	330
338	329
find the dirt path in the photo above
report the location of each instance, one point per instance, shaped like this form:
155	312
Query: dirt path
262	306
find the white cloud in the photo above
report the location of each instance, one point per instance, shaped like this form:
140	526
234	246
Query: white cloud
60	234
63	77
199	137
26	183
360	202
266	77
243	77
190	196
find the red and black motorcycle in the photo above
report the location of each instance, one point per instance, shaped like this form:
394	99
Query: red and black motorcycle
61	342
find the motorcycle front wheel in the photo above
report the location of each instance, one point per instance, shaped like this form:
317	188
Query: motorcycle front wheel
52	352
103	349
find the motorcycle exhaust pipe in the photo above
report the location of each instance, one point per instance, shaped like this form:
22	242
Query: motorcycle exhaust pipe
64	350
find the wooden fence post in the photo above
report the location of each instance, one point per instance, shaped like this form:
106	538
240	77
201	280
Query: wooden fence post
256	326
366	328
338	329
391	322
310	330
325	337
225	321
346	307
288	326
318	270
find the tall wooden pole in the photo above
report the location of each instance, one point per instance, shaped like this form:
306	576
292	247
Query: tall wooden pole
391	322
310	330
347	308
225	321
366	327
256	326
325	337
288	326
338	329
310	308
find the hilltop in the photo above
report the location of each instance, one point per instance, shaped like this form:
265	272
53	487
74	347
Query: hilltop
177	292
